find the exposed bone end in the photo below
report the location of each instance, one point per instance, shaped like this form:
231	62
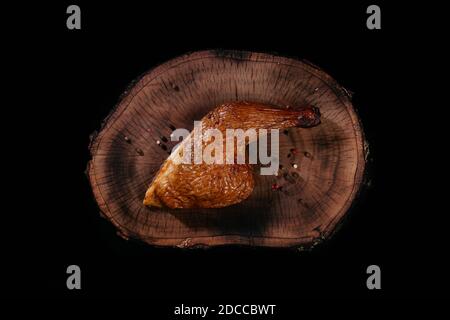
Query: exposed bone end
310	117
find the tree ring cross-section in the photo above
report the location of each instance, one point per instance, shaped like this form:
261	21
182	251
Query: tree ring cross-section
321	168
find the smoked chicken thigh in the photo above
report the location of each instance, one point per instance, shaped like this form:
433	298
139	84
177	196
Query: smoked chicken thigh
189	185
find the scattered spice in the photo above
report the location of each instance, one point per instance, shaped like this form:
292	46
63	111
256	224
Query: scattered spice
276	187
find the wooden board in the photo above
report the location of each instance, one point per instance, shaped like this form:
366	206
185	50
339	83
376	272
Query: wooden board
314	197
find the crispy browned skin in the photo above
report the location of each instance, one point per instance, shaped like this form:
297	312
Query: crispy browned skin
179	185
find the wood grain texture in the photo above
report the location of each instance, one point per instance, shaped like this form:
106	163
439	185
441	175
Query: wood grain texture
314	197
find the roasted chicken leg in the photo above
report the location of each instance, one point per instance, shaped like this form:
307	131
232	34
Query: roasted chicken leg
190	185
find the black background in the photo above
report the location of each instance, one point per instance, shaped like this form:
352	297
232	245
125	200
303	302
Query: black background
65	82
